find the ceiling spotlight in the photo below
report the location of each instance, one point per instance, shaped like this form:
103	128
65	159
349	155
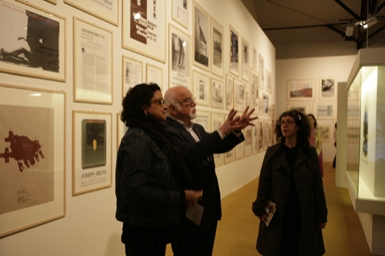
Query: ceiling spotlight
367	23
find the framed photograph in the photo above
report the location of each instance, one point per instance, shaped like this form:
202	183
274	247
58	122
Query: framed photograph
217	43
102	9
217	120
121	129
144	28
325	110
326	131
255	58
154	74
91	160
132	73
261	72
201	34
201	90
32	41
265	104
203	118
239	95
327	89
245	59
217	94
229	92
229	156
269	81
248	140
234	51
353	111
181	11
92	63
179	58
306	108
300	90
32	157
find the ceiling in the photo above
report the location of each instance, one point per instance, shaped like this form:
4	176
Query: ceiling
315	28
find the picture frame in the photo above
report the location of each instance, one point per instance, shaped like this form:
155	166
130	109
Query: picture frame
132	73
104	10
326	130
255	58
201	88
234	51
201	35
261	71
217	94
353	134
137	36
327	88
248	140
353	111
265	103
325	110
239	95
269	81
154	74
255	89
32	188
261	135
203	118
266	134
181	10
217	120
255	137
179	58
239	151
217	44
92	54
43	57
300	90
245	58
91	151
306	108
229	92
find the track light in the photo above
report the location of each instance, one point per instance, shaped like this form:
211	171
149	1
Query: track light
367	23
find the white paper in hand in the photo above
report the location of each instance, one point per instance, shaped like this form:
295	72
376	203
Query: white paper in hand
270	210
194	213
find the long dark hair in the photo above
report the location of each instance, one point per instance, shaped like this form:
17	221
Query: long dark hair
315	120
302	123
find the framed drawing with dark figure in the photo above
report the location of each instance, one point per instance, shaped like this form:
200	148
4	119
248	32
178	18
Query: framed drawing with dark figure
217	57
239	95
217	94
265	104
32	157
245	59
234	52
201	90
229	92
32	41
300	90
132	73
201	37
327	89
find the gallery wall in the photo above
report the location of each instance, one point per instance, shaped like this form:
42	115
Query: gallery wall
88	226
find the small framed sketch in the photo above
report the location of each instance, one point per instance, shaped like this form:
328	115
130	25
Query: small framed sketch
261	135
144	28
325	110
300	90
326	130
201	35
105	10
216	122
201	89
239	95
132	73
327	88
261	72
217	94
32	41
248	140
229	92
245	59
234	51
179	58
92	139
154	74
217	58
239	151
255	137
269	81
255	58
92	63
305	108
265	104
181	10
203	118
255	89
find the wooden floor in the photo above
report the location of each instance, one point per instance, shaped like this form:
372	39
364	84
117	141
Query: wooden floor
238	230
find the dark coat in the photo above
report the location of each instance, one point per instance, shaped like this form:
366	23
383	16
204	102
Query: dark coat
274	184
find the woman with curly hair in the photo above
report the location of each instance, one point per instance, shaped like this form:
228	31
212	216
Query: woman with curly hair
290	178
150	176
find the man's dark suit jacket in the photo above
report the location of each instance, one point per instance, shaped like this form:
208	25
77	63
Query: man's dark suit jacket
200	162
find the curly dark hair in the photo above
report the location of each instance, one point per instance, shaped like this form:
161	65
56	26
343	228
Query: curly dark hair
302	123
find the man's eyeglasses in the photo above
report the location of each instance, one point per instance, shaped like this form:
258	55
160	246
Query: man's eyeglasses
287	122
188	101
159	102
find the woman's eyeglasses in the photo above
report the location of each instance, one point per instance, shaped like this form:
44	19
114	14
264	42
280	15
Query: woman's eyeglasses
287	122
159	102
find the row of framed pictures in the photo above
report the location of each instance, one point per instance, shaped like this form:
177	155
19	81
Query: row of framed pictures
307	89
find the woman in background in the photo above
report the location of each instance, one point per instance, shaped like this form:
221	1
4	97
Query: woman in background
315	140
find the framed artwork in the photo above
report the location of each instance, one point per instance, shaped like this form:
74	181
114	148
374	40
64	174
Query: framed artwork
248	140
92	63
203	118
306	108
255	58
217	58
43	54
132	73
91	159
181	11
32	157
239	151
154	74
254	89
121	129
201	35
325	110
269	81
144	28
245	59
326	131
239	95
102	9
261	72
217	120
217	93
179	58
201	89
265	104
266	134
353	111
353	133
229	92
234	51
255	137
261	135
300	90
327	89
229	156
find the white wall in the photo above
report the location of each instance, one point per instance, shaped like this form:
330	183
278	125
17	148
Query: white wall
89	227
